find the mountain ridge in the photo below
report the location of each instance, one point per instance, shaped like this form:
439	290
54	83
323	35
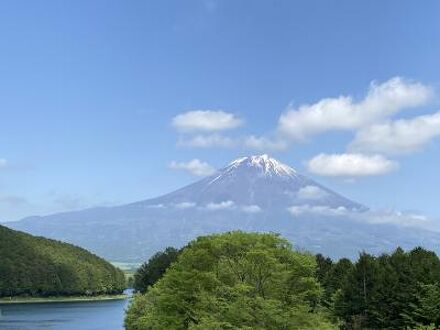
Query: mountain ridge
255	193
258	174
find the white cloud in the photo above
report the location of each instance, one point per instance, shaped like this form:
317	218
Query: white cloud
343	113
206	141
311	193
3	163
398	137
225	205
185	205
371	216
394	217
195	167
156	206
264	143
251	208
318	210
218	140
350	165
205	120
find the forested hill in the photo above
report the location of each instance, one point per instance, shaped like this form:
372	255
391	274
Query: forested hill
37	266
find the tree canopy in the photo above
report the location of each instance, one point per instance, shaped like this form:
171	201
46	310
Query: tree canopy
234	280
37	266
256	281
392	291
152	270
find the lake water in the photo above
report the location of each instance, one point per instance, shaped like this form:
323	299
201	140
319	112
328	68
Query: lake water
96	315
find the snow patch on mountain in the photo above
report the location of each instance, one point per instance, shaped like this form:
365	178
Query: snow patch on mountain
267	165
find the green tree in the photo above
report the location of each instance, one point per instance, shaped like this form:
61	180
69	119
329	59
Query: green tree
323	267
332	276
397	291
428	305
234	280
37	266
152	270
354	302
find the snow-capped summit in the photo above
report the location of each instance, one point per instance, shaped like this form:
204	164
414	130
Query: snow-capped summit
258	181
266	164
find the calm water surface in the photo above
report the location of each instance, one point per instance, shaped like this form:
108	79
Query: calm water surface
96	315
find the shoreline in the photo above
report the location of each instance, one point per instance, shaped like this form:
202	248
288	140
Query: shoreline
38	300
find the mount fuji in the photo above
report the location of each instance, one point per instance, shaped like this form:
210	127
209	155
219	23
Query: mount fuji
256	193
260	182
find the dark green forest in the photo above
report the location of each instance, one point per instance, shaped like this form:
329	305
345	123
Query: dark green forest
150	272
36	266
391	291
257	281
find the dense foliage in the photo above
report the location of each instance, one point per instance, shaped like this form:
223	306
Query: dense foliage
255	281
397	291
38	266
233	281
152	270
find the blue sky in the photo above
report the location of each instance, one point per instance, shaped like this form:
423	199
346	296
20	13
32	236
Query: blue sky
103	102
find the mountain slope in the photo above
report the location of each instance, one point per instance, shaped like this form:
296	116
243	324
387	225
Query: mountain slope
42	267
255	180
255	193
